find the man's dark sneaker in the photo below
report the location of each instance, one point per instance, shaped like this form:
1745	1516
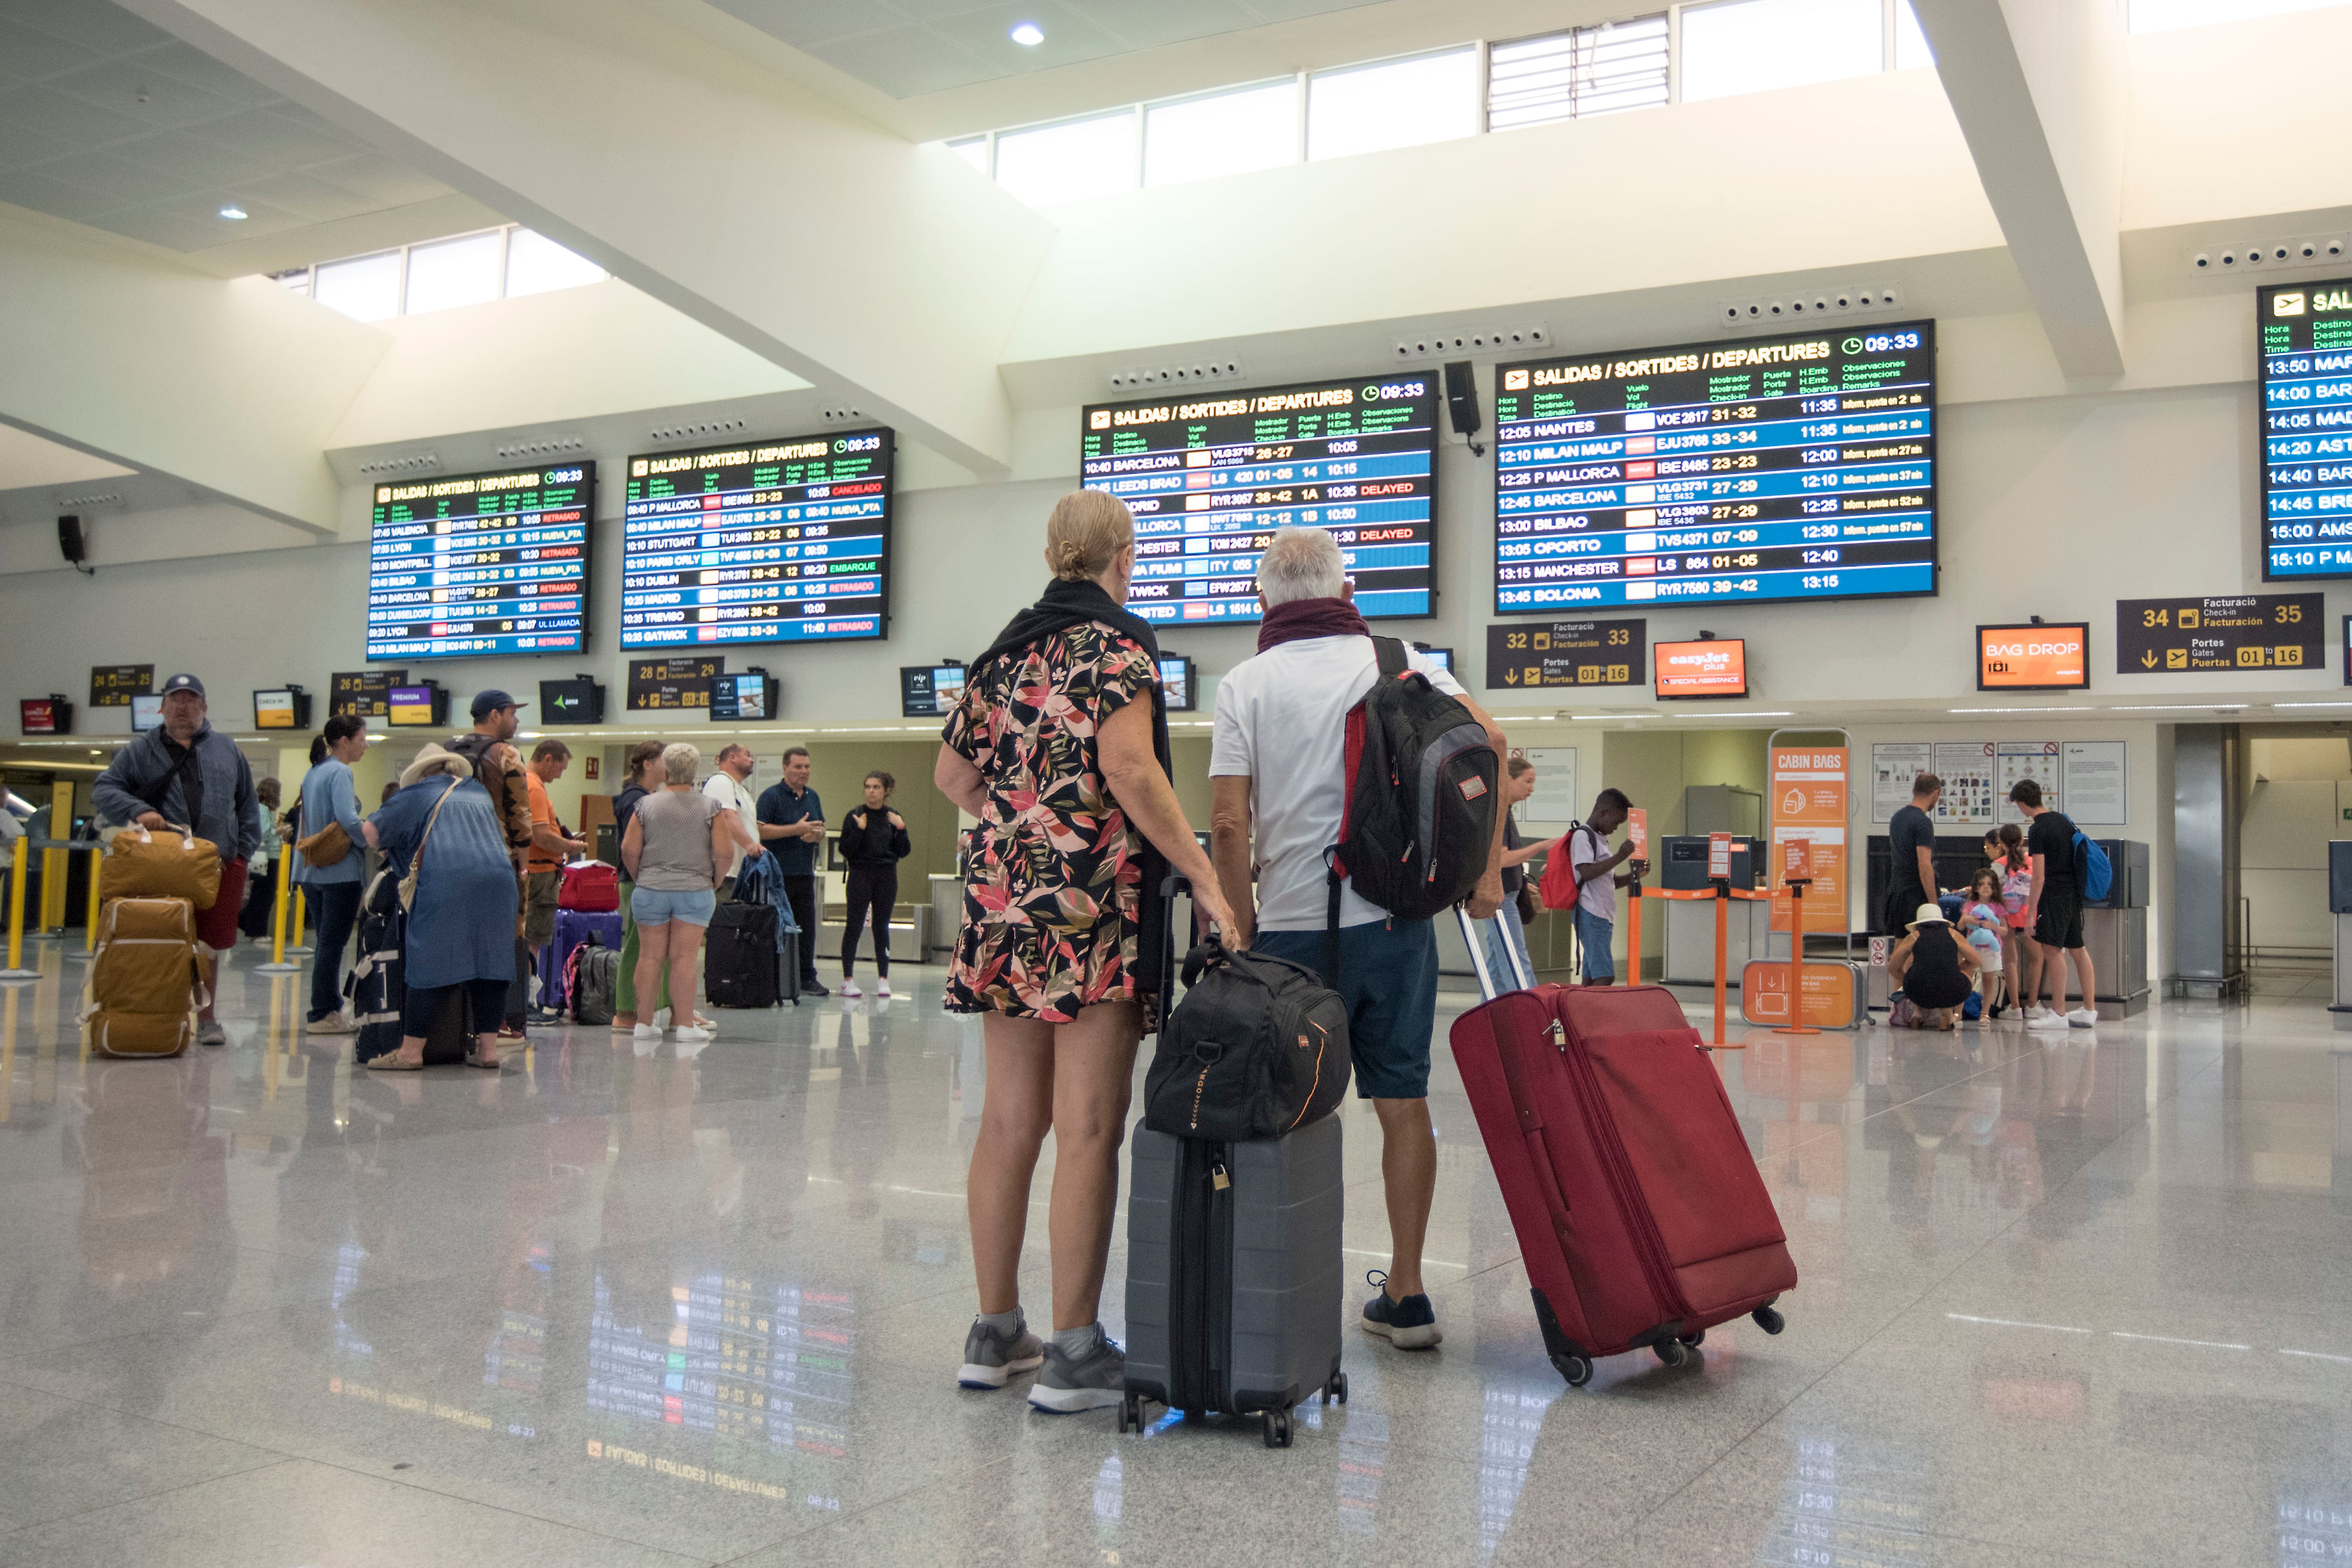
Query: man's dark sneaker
991	1355
1094	1381
810	989
1408	1324
543	1017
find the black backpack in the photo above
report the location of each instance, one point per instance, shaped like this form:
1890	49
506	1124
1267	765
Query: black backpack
1423	777
1257	1048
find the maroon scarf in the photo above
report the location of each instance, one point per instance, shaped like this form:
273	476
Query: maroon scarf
1310	618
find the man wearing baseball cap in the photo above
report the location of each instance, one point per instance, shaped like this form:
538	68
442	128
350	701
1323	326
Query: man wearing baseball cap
499	768
184	773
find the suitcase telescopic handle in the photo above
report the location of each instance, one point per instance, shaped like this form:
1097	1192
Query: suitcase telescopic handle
1478	954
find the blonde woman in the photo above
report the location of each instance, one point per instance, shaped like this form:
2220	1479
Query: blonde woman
678	844
1060	750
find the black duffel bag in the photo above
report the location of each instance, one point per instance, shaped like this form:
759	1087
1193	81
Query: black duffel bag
1257	1048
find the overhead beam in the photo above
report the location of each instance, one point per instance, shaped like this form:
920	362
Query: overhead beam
885	272
230	385
2042	93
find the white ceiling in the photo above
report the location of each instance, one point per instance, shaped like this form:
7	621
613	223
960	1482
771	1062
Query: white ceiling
108	120
27	461
907	48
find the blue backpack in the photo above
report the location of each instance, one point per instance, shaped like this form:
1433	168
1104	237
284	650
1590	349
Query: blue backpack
2093	872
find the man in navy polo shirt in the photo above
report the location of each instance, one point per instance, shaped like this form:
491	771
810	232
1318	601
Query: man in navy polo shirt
791	826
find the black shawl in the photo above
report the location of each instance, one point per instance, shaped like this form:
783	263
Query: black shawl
1063	605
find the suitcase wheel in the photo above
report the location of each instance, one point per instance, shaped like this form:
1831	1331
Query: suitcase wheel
1130	1411
1337	1388
1278	1428
1577	1369
1769	1320
1673	1352
1695	1340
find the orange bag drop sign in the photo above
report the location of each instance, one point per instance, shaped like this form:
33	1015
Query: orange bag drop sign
1637	829
1828	996
1805	801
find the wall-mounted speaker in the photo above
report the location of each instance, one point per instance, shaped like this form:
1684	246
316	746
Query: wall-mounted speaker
73	545
1461	403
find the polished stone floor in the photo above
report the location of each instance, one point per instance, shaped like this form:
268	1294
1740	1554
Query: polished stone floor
2082	1299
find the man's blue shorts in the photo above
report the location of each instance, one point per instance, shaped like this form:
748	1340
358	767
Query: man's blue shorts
1388	977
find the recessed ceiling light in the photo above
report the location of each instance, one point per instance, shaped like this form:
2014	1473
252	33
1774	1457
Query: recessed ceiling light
1028	35
234	213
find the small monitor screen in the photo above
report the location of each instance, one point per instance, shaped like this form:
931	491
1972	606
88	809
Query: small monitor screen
930	691
37	715
1441	657
2034	658
480	563
273	710
413	705
146	712
1716	667
576	701
1181	684
748	695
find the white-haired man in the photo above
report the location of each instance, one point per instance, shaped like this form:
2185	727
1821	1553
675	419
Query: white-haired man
1278	765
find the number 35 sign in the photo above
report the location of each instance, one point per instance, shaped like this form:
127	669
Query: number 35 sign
2246	632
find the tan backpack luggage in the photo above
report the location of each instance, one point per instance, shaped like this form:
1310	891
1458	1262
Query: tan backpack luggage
146	981
167	864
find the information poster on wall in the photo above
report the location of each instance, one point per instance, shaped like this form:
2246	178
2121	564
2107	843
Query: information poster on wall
1968	770
1555	802
2014	761
2093	786
1807	797
1892	768
113	685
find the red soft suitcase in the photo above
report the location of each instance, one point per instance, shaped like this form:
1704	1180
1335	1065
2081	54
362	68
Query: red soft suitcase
590	886
1640	1216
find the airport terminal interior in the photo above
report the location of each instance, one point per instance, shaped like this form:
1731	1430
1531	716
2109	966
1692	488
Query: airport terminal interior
1755	405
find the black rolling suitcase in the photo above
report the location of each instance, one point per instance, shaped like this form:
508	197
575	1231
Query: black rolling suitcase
738	964
1233	1270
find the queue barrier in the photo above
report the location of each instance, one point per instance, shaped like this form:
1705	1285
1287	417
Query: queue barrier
53	857
1720	895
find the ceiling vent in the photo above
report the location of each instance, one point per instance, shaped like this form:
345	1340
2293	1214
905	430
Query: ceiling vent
554	446
1189	373
1524	339
1798	307
411	463
91	501
2272	255
700	430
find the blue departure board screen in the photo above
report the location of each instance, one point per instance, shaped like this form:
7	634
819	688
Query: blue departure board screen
1768	469
781	542
1210	478
2306	429
474	564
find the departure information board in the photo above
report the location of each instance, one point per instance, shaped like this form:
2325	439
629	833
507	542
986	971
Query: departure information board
2306	429
1211	478
788	542
480	563
1796	467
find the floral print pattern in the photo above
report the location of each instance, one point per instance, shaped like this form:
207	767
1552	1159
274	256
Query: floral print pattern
1053	885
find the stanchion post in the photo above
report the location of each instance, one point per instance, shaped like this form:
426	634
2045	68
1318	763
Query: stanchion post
1796	886
278	963
15	969
89	922
53	891
301	904
1722	942
1633	928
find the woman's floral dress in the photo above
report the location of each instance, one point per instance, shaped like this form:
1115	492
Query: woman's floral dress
1052	884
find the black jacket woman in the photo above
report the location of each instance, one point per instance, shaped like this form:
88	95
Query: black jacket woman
873	842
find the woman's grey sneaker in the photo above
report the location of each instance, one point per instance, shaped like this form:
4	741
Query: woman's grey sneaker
1408	1324
991	1356
1094	1380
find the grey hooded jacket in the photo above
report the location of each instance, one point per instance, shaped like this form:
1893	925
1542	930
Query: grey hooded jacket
231	811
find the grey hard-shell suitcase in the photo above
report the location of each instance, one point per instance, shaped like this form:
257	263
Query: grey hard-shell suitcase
1233	1276
1233	1270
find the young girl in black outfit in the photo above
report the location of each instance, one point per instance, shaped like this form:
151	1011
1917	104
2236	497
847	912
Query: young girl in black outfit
873	842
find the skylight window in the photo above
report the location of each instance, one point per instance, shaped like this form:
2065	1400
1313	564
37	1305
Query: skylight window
1070	162
1757	46
1223	133
1395	103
